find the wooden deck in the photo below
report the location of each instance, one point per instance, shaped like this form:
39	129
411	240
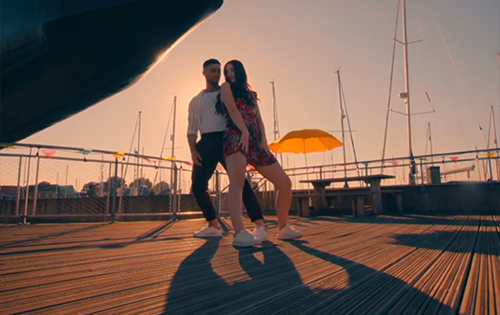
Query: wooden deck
372	265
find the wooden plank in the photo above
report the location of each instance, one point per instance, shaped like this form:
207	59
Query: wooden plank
379	291
483	283
445	274
359	258
372	265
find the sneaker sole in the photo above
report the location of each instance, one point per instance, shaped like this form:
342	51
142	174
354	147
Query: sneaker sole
250	245
209	236
290	238
263	239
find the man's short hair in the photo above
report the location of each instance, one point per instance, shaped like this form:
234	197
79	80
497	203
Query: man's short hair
211	62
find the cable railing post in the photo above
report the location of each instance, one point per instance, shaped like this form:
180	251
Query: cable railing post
18	197
112	190
35	196
26	197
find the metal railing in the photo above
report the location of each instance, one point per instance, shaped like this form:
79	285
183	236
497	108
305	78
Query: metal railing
474	165
38	181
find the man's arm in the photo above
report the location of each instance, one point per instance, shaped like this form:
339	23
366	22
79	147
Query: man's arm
193	121
192	133
192	143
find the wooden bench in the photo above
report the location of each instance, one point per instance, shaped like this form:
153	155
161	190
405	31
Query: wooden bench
357	203
373	182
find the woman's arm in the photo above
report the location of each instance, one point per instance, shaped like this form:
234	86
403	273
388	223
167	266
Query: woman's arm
228	99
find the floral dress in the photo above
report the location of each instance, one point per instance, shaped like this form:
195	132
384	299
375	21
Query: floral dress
255	155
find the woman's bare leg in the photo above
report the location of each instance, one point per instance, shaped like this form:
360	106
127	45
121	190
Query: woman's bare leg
235	166
283	184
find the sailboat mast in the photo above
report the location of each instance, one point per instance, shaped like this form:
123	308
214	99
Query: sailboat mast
172	138
173	127
430	142
407	98
498	55
138	149
276	130
342	116
495	140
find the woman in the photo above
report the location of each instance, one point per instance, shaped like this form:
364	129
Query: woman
245	143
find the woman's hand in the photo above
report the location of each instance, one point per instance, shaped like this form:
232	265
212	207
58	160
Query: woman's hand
244	141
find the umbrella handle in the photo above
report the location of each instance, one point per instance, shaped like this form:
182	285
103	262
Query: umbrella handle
307	172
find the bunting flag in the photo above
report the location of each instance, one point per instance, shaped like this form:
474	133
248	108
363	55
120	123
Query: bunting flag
454	158
394	163
490	154
85	152
48	153
119	154
172	158
422	159
147	160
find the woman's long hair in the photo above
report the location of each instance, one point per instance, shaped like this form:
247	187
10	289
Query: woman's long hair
240	88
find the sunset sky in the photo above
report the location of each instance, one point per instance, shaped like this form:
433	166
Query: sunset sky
300	45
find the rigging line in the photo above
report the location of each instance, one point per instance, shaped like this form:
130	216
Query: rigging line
460	81
350	129
131	145
414	114
430	102
390	86
163	144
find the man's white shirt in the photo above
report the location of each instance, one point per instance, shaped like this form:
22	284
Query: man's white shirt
202	116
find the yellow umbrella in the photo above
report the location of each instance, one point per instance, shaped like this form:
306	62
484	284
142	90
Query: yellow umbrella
305	141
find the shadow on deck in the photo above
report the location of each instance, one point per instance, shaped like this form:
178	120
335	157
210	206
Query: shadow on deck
373	265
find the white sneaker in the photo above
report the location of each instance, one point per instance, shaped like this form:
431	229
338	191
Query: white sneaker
208	231
245	239
289	233
260	233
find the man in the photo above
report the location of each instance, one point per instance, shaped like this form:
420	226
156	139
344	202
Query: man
203	117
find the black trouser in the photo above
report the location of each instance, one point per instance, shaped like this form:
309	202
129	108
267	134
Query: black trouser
210	150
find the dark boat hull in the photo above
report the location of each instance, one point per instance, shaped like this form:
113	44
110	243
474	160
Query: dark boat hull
60	57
